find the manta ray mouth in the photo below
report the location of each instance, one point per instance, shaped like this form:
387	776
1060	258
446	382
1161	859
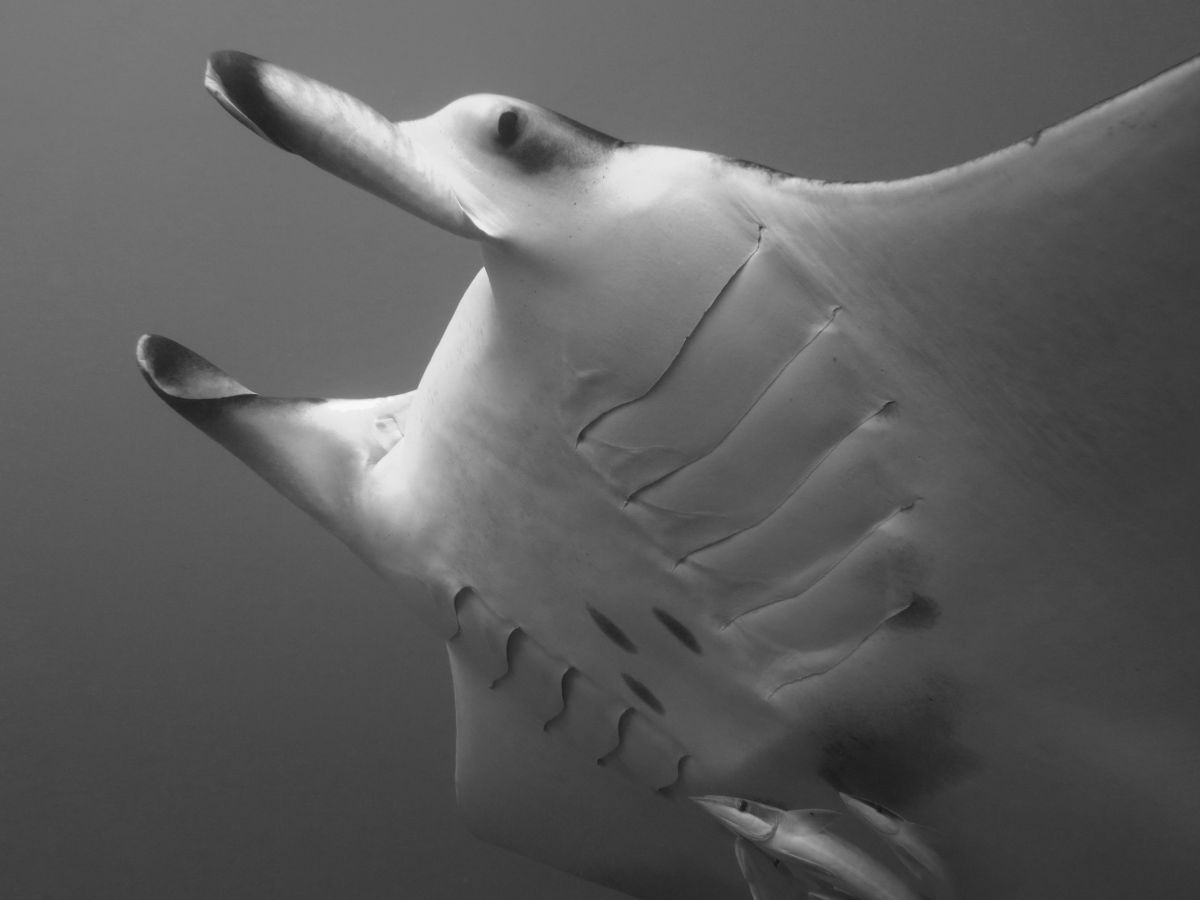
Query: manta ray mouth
339	133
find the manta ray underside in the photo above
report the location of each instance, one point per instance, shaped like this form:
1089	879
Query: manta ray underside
729	482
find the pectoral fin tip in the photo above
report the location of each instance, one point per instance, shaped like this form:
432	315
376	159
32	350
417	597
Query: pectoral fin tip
177	373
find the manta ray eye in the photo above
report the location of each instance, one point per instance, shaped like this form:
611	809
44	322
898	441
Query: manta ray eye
742	806
508	128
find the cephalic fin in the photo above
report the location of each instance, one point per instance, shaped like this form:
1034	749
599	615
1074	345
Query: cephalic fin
313	451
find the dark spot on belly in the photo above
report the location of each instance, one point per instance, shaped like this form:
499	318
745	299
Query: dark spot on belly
644	693
680	631
612	631
898	753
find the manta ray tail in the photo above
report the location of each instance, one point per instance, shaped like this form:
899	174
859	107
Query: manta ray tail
314	452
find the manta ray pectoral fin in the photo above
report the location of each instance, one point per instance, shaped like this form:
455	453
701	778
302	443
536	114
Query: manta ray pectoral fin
314	452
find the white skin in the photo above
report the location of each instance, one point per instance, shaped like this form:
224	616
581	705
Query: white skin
803	836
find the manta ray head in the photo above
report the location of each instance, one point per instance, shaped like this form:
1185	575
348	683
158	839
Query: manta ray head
576	227
600	259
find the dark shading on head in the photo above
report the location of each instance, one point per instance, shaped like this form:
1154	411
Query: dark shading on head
539	140
757	167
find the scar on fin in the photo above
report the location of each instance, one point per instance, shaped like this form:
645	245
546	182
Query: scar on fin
612	630
678	630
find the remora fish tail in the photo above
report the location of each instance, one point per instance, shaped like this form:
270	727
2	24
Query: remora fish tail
803	836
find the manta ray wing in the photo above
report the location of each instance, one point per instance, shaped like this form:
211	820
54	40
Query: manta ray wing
933	442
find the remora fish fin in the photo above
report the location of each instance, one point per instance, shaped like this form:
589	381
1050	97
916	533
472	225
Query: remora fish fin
815	821
525	786
314	452
876	815
767	878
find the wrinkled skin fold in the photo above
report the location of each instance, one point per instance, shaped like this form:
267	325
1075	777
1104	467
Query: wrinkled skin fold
728	482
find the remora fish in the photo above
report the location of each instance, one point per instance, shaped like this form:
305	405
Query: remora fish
803	835
765	876
768	879
904	837
741	483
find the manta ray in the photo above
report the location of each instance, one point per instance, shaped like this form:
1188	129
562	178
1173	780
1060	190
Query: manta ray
728	482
